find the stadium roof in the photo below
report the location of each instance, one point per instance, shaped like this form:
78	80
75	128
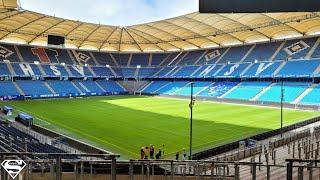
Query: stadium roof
191	31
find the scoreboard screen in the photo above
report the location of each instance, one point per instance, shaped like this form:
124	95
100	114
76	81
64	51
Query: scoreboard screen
258	6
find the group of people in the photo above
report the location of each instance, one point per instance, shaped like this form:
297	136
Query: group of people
149	153
184	155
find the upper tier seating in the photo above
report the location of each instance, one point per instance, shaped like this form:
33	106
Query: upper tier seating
103	59
4	71
158	58
263	69
300	54
212	56
247	90
122	59
235	54
190	58
102	71
55	70
299	68
291	90
232	70
185	71
140	59
263	52
147	72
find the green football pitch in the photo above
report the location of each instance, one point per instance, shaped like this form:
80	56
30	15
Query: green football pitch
123	124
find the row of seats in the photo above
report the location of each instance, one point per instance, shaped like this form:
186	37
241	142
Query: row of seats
38	89
17	141
249	91
282	50
292	68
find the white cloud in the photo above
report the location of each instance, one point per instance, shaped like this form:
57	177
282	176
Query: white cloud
113	12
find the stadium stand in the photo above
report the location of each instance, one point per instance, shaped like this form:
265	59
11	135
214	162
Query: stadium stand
18	141
27	87
247	90
291	91
8	89
262	60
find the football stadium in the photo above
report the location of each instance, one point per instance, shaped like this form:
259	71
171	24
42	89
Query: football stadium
215	94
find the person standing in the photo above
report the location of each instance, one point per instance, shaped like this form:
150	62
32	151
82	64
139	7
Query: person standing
147	152
142	153
151	152
184	155
177	156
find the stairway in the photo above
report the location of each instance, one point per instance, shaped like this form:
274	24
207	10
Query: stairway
261	92
314	47
49	87
18	88
100	86
219	59
247	54
91	71
302	95
277	51
41	70
84	87
68	70
18	53
230	90
279	68
175	58
75	86
13	73
146	86
94	59
246	69
129	60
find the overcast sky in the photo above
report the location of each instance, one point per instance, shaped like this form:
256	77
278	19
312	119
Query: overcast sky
112	12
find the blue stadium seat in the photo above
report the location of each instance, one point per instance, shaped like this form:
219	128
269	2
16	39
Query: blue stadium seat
299	68
4	71
64	88
197	88
154	86
263	69
139	59
291	91
111	86
313	97
235	54
34	88
8	89
217	89
172	87
247	90
263	52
